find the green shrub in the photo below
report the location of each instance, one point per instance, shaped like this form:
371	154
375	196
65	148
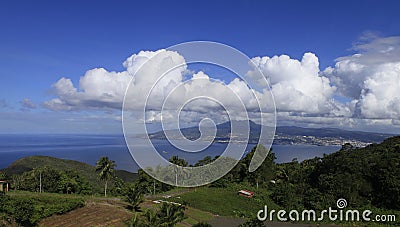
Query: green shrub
28	210
21	209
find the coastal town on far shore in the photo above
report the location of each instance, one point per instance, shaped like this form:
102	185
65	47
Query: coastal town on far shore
319	141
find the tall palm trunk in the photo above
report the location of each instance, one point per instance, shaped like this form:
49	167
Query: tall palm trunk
105	189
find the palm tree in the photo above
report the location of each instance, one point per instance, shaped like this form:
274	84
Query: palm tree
134	196
151	218
105	167
170	214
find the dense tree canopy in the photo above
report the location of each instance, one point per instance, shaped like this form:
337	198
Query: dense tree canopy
52	180
367	176
363	176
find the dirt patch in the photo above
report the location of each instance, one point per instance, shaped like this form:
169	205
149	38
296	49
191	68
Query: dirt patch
104	213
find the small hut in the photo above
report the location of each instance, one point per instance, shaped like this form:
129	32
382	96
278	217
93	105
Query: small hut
3	186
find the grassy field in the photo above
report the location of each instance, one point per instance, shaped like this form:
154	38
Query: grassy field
225	201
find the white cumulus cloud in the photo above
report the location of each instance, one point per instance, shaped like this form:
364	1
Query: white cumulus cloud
371	78
297	86
99	88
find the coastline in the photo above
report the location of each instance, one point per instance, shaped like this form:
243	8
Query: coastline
88	148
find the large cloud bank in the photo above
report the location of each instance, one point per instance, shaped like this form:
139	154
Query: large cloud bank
369	81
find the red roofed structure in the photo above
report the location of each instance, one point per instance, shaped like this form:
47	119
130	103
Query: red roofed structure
246	193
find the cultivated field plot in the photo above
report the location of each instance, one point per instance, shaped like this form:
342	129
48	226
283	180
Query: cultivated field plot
107	213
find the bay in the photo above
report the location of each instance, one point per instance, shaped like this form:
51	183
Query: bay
89	148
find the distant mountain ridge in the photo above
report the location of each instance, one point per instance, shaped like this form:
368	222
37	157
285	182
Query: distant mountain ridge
284	135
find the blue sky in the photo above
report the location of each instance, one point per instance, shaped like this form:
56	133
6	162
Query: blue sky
42	41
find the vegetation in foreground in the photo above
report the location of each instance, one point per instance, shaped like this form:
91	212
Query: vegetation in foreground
368	178
27	209
167	215
34	164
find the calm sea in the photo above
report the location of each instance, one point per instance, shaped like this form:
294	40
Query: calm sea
89	148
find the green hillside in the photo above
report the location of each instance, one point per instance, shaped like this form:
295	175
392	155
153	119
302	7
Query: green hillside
88	171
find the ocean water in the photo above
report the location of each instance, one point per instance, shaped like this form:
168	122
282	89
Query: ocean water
89	148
